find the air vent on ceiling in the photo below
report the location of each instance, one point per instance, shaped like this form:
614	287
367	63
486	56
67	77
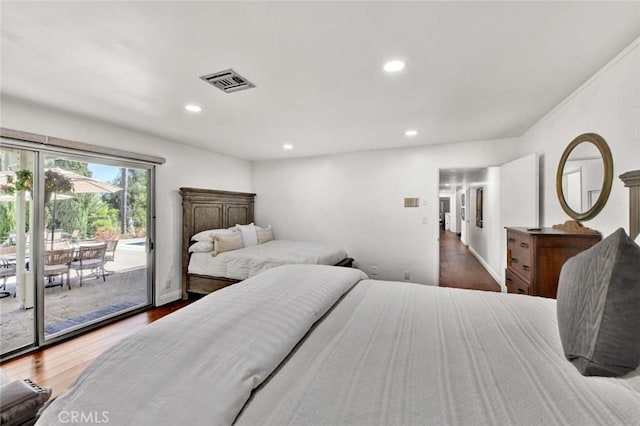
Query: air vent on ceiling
228	81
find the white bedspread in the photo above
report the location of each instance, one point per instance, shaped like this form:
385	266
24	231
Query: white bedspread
397	353
387	353
249	261
199	365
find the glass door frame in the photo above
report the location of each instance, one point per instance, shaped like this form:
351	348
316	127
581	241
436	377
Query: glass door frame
37	243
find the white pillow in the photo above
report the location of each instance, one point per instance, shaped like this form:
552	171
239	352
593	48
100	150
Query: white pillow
201	247
264	234
638	240
249	236
210	233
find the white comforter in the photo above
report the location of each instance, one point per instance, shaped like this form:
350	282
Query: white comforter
394	353
387	353
249	261
199	365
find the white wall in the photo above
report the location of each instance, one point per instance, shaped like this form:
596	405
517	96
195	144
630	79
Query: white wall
609	105
458	212
185	166
466	222
484	242
356	201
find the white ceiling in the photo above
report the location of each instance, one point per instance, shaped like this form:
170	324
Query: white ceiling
474	70
456	179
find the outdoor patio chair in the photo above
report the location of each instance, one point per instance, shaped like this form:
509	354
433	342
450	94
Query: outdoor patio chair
56	262
7	270
110	254
90	257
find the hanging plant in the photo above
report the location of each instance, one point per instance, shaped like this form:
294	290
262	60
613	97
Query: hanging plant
23	182
55	182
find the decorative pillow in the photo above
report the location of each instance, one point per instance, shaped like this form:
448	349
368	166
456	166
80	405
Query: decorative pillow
598	307
210	233
229	242
264	234
249	236
20	401
201	247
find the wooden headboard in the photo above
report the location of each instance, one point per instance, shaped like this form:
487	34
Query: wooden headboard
204	209
632	181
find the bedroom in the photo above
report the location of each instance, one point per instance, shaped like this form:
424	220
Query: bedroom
349	198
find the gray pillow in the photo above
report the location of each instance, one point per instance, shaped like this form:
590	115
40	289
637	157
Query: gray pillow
599	307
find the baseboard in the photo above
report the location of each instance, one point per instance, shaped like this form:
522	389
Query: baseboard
163	299
489	269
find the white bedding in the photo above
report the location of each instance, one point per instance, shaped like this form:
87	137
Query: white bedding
249	261
199	365
387	353
396	353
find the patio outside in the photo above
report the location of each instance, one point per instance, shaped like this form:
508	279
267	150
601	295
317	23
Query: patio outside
95	220
124	288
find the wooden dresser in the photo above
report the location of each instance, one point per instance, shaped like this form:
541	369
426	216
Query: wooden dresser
534	258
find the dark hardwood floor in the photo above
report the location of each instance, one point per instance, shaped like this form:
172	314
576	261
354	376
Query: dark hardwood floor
58	366
459	268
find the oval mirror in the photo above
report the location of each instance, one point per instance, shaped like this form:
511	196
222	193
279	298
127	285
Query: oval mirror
585	176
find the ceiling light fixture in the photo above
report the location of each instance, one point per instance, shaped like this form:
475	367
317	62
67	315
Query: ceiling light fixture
411	133
193	108
287	146
394	66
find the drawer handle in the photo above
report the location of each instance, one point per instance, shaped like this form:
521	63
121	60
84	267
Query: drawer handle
524	245
521	291
514	260
512	240
525	267
509	280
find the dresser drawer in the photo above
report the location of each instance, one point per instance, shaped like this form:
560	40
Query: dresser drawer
519	253
515	284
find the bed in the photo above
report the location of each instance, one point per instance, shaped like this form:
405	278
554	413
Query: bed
204	209
318	345
382	353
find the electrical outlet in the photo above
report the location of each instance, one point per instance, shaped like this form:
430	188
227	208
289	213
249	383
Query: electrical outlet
374	270
407	275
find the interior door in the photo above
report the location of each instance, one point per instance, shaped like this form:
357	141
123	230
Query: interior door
519	198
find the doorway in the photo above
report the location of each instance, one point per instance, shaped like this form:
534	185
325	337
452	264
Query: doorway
506	195
445	213
458	266
74	241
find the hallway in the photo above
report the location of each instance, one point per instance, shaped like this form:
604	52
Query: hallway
459	268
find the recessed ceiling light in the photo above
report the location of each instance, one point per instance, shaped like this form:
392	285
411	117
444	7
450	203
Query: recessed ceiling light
411	133
193	108
287	146
394	66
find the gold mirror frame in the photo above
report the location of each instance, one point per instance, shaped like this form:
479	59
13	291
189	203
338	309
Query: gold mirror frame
607	159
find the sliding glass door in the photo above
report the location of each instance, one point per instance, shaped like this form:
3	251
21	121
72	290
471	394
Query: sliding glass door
95	258
17	283
76	254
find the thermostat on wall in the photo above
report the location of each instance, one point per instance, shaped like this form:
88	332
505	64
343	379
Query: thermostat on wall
412	202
